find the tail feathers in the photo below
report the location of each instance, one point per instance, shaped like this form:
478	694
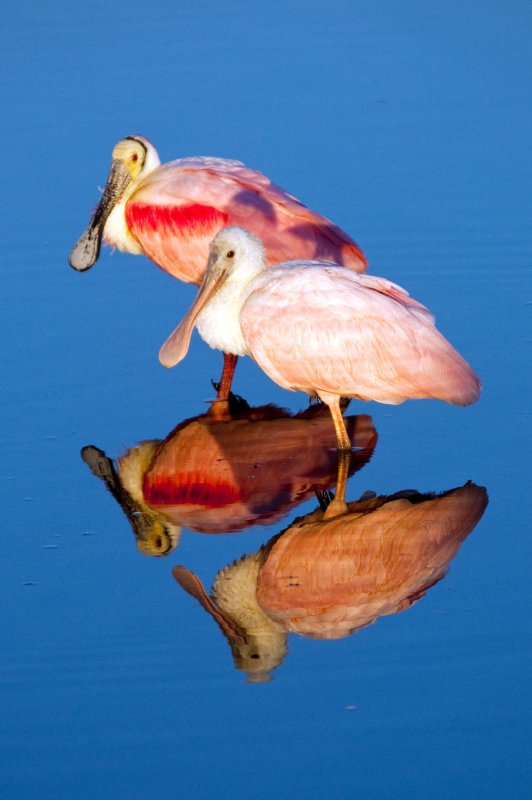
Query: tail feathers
468	390
454	381
350	254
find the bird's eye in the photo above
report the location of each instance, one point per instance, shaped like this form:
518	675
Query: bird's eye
231	254
135	157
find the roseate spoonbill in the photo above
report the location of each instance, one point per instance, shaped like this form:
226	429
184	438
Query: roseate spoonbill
327	578
321	329
219	477
155	533
170	213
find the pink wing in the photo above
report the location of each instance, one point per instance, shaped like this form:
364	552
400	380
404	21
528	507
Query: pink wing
222	477
180	207
327	578
322	329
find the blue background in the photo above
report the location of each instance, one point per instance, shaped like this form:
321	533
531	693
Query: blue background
409	124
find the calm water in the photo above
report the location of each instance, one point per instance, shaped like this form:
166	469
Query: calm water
410	127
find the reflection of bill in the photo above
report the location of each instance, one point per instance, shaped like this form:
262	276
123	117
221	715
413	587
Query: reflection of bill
326	578
217	476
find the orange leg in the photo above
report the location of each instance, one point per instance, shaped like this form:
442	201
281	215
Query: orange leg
226	380
219	409
338	506
343	442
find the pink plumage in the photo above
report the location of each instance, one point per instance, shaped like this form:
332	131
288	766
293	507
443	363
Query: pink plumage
171	212
322	329
179	207
328	578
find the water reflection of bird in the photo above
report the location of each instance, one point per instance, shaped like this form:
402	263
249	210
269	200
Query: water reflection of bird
215	477
326	578
155	534
321	329
170	213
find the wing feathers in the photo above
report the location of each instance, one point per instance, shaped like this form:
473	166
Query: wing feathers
234	195
323	328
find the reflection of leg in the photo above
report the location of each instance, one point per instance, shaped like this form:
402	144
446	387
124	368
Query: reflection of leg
344	459
343	444
219	411
227	376
338	506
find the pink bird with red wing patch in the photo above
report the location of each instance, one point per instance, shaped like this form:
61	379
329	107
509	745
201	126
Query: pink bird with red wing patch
171	212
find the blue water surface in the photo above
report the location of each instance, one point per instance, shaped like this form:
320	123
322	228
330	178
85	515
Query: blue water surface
409	124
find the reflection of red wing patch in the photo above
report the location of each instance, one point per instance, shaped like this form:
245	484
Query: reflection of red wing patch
189	489
188	219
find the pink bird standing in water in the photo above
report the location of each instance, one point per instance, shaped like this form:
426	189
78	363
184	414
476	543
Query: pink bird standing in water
171	212
321	329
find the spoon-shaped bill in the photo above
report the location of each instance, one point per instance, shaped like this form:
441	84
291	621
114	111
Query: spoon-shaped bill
85	252
155	537
190	582
176	346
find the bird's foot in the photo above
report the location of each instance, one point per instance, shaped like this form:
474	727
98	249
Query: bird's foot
336	508
219	411
237	404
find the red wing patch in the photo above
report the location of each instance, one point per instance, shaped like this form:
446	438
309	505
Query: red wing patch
188	219
189	489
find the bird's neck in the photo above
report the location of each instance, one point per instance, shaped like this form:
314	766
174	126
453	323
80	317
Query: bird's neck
133	465
116	232
148	523
264	644
219	323
235	591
